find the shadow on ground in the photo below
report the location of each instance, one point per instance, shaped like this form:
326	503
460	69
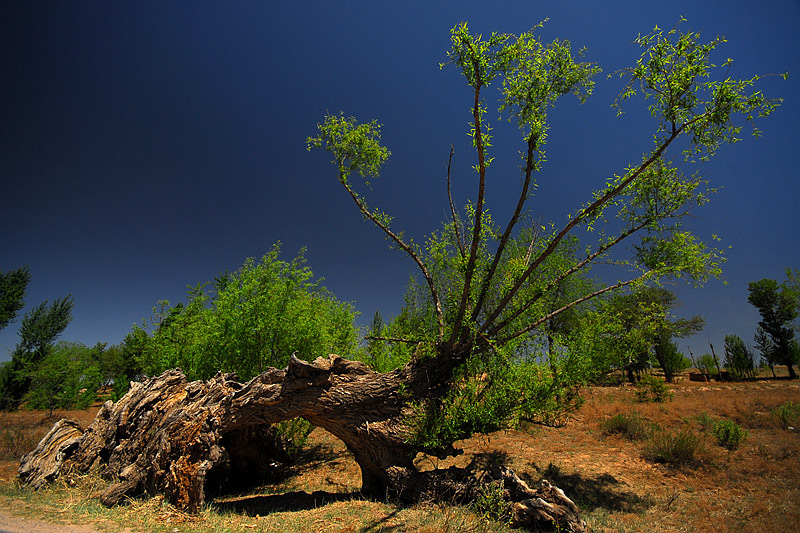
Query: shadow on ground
599	492
289	501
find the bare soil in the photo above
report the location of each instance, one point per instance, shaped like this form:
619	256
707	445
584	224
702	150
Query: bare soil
754	488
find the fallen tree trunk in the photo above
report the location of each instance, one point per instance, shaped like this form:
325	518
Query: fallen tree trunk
187	439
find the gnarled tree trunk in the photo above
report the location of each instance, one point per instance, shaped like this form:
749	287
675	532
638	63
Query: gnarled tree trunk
185	439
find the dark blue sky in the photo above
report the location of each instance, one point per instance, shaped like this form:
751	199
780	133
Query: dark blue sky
148	146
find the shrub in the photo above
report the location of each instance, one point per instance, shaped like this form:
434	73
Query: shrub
673	448
729	434
631	425
705	421
491	504
652	389
787	414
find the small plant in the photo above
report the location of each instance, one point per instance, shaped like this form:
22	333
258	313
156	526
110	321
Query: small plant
673	448
787	414
491	503
729	434
632	426
652	389
705	420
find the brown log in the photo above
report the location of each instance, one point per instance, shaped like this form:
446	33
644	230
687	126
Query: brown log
188	439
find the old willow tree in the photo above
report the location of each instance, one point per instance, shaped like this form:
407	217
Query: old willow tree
490	282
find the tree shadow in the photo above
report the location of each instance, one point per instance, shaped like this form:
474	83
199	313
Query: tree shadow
484	461
598	492
262	504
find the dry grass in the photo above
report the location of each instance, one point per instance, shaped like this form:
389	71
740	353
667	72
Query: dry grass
753	488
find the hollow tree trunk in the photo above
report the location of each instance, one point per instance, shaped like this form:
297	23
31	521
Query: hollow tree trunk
183	439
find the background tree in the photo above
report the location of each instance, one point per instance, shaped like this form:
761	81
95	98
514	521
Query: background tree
245	322
68	377
777	306
739	359
39	330
12	294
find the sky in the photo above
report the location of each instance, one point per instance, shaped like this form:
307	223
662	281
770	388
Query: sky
145	147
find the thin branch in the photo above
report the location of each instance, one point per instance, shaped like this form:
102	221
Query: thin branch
586	213
588	259
523	197
393	339
570	305
405	247
459	242
477	226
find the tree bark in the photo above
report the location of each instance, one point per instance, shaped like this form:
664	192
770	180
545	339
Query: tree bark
188	439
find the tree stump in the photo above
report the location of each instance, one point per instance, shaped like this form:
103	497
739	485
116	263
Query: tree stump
189	439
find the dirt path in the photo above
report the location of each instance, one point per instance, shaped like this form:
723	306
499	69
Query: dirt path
11	523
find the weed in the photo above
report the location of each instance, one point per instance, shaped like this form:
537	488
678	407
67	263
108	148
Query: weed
632	426
674	448
705	420
787	414
652	389
729	434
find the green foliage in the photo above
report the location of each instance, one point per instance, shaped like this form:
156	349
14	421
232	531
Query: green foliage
39	329
707	365
633	426
675	74
787	414
12	293
492	505
778	306
294	434
669	358
652	389
739	359
249	320
67	378
674	448
729	434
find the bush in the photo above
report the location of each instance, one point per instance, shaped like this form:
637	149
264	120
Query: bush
787	414
631	425
491	504
729	434
673	448
652	389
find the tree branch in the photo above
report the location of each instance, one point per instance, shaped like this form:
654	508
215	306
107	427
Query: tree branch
402	244
523	197
459	242
593	208
570	305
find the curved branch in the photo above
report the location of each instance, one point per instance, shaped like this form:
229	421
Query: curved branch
459	242
405	247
